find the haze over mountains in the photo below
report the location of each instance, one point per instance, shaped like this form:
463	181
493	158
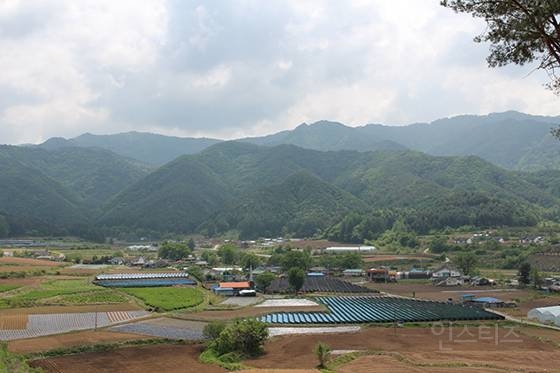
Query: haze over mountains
511	140
323	179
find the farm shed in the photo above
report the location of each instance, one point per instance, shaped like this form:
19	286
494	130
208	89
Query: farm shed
545	315
232	288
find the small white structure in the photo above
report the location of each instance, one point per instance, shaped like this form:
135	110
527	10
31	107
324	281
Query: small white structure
545	315
445	272
350	249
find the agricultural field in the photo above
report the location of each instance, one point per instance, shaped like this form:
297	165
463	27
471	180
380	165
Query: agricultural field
167	298
35	325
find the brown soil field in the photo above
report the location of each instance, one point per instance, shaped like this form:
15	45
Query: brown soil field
40	344
245	312
159	358
17	262
428	291
13	322
416	350
407	350
394	364
71	309
28	281
281	371
23	268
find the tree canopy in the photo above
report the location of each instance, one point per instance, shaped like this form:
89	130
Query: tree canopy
173	250
520	32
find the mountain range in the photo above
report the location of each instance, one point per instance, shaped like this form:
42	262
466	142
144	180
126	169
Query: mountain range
324	179
511	140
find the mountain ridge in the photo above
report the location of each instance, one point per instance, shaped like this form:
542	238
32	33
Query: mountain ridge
510	139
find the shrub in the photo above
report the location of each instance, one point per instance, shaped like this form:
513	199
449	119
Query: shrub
322	351
213	329
246	337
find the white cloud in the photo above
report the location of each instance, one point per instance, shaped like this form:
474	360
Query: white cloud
245	67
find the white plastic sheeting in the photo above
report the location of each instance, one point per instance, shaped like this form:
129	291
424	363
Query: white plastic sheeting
545	315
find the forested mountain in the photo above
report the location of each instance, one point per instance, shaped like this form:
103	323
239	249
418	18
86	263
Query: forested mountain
146	147
289	190
511	140
60	190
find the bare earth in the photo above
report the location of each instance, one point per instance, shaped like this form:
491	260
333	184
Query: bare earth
160	358
17	262
415	350
52	342
407	350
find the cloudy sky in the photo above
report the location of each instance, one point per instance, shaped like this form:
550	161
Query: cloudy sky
240	68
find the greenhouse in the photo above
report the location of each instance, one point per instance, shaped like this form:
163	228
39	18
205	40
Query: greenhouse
372	309
545	315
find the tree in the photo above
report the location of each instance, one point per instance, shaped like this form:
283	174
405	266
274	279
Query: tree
191	245
296	278
264	280
439	244
536	277
322	351
210	257
466	262
351	261
244	336
524	273
228	253
250	260
196	272
520	32
296	258
173	250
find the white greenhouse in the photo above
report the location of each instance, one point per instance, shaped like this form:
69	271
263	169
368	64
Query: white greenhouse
545	315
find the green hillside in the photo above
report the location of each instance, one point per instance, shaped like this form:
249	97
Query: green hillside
60	191
94	175
261	191
33	202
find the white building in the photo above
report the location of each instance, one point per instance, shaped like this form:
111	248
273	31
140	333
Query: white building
445	272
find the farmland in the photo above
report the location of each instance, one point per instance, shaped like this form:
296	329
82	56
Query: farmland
168	299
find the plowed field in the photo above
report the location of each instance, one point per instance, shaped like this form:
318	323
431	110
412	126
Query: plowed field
161	358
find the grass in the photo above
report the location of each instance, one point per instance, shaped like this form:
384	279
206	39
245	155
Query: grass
8	287
92	297
29	297
10	362
230	362
167	298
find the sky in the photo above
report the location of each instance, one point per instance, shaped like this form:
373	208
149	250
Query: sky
230	69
